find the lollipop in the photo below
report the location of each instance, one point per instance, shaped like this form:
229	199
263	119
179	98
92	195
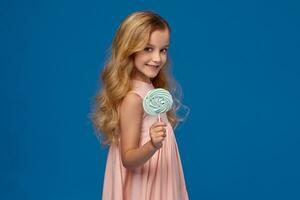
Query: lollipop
157	101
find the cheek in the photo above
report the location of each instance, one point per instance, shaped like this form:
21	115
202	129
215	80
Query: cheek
164	58
137	60
140	58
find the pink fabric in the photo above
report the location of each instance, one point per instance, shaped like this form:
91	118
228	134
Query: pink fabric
160	178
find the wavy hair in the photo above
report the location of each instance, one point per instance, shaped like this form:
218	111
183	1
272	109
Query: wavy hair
131	37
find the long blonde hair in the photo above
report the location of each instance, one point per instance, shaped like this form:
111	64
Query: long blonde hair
131	37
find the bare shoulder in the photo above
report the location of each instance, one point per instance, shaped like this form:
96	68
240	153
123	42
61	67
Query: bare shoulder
132	100
132	103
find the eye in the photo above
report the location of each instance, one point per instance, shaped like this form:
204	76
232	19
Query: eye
164	51
148	49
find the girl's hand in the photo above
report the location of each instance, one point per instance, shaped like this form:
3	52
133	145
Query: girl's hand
157	134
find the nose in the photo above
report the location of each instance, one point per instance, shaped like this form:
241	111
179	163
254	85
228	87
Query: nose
156	57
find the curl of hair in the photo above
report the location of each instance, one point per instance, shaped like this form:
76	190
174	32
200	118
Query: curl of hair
131	37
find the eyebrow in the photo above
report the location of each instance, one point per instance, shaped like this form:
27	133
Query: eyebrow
154	45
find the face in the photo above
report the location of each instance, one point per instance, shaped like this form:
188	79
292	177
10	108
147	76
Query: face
149	61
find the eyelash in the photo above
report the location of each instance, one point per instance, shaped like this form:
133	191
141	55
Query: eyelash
147	49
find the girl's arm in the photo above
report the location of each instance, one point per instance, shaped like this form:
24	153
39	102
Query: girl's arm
131	115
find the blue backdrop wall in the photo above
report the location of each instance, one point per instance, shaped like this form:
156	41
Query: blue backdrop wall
238	65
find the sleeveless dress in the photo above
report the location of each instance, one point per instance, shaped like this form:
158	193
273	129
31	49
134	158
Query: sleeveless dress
160	178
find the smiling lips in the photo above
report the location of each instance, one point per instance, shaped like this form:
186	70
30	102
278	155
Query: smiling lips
155	66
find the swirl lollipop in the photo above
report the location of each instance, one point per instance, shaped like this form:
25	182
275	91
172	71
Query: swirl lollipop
157	101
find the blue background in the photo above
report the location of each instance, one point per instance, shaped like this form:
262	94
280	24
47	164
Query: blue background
238	65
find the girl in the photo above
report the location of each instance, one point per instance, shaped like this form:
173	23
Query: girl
143	160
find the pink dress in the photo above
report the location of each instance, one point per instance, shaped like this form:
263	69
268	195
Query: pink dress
160	178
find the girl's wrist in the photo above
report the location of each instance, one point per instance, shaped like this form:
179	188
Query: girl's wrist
153	145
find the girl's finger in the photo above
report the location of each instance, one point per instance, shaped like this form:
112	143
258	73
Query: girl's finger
159	124
157	129
160	139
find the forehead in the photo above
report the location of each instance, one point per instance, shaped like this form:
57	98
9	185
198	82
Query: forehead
159	38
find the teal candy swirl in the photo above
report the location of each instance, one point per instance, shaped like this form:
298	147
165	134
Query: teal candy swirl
157	101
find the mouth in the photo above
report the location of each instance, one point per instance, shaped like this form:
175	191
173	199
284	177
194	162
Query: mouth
153	66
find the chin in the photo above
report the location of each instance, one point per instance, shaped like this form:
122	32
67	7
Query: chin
153	75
